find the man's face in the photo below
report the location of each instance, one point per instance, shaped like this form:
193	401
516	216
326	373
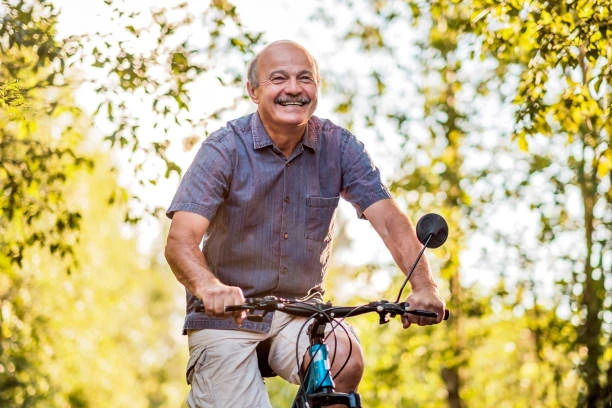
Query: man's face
287	90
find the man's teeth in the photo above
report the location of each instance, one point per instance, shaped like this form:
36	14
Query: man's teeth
292	103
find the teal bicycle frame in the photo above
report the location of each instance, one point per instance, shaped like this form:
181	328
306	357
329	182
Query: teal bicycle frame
318	385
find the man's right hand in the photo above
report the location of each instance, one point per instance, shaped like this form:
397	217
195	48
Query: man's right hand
189	265
215	296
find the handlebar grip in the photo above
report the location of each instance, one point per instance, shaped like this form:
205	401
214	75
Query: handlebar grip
429	313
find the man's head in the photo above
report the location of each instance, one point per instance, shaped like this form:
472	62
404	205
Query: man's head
282	81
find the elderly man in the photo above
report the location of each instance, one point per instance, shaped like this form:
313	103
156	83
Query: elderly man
262	193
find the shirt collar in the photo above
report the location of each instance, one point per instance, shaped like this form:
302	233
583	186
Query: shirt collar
261	138
311	137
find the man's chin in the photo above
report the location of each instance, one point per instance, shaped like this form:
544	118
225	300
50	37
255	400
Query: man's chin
296	119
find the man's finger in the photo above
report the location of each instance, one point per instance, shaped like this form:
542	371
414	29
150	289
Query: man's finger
238	299
215	306
239	317
209	306
427	321
412	318
406	322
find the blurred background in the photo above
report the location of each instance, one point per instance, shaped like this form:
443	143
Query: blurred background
495	114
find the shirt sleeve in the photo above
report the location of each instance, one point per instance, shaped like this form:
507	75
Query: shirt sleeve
361	183
206	182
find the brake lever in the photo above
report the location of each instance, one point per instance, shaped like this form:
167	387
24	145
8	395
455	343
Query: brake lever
424	313
383	317
256	308
257	315
384	314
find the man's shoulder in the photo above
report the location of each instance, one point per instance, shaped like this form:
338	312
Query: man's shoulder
233	130
328	132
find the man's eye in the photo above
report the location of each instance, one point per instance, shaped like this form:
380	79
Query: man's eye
277	79
306	79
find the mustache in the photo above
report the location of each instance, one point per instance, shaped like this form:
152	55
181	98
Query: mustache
285	99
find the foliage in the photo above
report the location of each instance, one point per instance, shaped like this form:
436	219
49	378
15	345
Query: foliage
565	46
153	64
164	75
58	346
106	335
40	132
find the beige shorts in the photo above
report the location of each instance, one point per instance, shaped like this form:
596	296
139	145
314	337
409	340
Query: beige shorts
223	370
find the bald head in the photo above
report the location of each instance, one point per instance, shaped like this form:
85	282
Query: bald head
253	72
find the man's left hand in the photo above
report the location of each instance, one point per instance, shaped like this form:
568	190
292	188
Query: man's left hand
426	298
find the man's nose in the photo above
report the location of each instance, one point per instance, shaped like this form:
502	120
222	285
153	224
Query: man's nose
293	86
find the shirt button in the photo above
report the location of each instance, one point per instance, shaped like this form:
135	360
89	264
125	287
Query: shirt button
284	269
285	235
288	164
286	199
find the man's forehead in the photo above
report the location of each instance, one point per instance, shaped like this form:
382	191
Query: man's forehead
285	53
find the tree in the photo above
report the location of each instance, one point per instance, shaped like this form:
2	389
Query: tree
107	334
36	154
568	45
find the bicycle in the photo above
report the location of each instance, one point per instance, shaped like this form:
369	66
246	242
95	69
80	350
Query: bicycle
317	386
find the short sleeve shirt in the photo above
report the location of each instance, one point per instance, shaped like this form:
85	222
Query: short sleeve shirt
272	217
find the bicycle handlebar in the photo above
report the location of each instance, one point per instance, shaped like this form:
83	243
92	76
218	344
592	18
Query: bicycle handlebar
384	308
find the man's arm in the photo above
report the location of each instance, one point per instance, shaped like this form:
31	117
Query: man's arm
400	238
190	268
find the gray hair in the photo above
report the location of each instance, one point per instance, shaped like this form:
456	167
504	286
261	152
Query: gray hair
252	71
252	67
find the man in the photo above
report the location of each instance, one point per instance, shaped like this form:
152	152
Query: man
262	192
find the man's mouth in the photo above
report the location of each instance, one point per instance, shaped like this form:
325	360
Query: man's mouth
292	102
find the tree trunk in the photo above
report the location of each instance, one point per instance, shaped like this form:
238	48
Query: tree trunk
592	296
453	385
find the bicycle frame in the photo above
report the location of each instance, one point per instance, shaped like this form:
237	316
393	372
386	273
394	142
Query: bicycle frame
318	385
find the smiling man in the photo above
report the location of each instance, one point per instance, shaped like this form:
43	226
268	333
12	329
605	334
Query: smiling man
262	192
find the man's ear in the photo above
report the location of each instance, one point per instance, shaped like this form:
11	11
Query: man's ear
252	94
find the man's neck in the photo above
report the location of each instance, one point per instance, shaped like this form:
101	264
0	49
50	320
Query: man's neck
286	138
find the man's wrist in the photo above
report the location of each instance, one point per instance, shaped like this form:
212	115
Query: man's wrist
204	284
422	279
421	286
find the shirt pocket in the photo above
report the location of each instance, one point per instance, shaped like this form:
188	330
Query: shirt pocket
319	214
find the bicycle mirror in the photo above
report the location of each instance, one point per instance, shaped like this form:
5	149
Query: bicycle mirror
434	225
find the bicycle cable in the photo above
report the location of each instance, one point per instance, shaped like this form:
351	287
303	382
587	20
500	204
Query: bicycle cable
339	323
418	258
334	322
329	319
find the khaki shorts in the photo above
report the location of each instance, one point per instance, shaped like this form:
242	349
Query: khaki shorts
223	370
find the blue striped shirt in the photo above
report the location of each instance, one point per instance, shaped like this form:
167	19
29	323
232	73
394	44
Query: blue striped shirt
271	216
